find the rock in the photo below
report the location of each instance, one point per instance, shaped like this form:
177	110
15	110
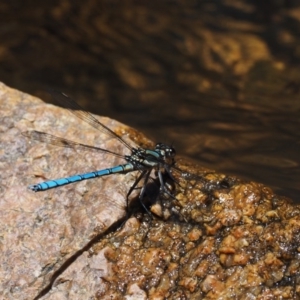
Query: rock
226	239
42	231
219	238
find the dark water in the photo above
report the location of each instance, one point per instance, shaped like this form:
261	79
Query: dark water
219	80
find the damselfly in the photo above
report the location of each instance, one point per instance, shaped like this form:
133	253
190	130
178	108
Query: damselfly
161	159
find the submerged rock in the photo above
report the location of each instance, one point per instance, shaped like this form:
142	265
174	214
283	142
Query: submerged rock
217	238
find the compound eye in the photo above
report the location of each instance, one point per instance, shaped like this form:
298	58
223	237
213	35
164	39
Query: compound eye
165	150
172	152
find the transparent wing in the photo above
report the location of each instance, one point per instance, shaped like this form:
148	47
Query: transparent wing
68	103
61	142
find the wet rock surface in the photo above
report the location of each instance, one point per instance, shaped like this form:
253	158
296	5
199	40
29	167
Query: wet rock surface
217	238
234	240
